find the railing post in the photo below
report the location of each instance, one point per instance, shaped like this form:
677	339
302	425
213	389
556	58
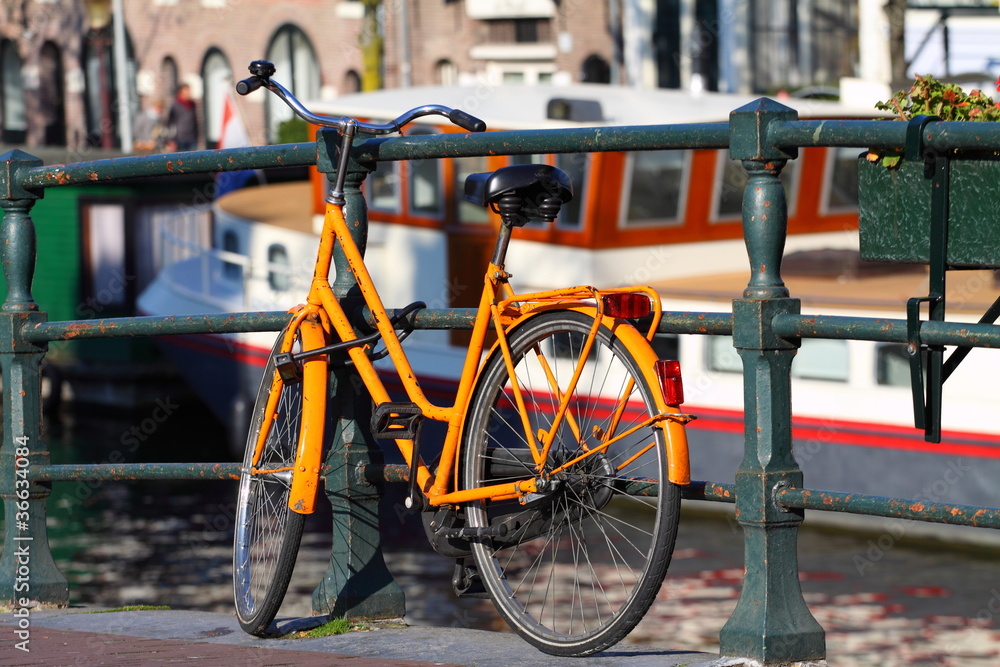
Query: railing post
357	583
28	575
771	622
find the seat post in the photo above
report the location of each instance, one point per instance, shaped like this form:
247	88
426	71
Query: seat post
503	240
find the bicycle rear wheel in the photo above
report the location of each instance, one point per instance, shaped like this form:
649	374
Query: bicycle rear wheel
582	561
267	532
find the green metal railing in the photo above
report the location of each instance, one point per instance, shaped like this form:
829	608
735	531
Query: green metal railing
771	622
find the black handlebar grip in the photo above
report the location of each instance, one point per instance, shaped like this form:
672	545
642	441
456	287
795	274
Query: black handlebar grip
248	85
466	121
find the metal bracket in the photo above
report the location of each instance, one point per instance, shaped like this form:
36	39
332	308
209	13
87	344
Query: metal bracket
926	370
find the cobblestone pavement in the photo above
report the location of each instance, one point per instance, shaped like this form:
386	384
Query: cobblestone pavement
883	599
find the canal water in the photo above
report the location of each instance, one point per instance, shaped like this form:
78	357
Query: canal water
883	596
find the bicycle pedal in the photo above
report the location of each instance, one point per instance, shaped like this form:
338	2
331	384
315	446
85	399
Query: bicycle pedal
287	368
392	421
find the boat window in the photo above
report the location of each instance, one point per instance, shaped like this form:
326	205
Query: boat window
666	346
656	185
383	187
468	212
820	359
892	365
425	181
722	356
278	268
231	243
569	344
840	189
576	166
817	359
731	181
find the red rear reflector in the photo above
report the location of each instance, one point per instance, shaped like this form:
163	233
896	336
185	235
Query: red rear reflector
626	305
669	373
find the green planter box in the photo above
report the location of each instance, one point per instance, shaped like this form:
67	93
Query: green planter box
894	212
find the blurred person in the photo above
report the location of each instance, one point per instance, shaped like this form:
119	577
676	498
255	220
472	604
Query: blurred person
148	128
183	121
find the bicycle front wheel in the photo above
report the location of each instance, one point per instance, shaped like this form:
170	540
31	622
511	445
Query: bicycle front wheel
267	532
573	569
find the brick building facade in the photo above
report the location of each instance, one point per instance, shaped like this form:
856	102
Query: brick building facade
58	84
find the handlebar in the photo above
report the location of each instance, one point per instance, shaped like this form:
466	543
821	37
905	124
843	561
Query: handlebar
262	71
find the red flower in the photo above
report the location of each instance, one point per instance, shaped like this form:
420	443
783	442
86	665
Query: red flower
949	96
997	83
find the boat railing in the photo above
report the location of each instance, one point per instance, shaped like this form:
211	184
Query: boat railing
771	622
206	274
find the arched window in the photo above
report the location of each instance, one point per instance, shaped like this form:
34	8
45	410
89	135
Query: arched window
168	78
445	72
595	69
218	78
51	96
352	82
15	117
102	86
296	67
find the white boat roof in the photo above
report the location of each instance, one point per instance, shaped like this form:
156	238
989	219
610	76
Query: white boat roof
520	107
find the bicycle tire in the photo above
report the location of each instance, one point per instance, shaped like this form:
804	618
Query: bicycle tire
267	532
549	575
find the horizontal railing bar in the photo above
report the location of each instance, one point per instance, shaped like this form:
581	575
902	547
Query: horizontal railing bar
172	325
529	142
942	136
900	508
696	323
714	491
966	334
172	164
168	325
124	472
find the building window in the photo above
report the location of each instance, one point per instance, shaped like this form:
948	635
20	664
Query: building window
51	96
218	78
519	31
168	77
102	87
15	117
352	82
446	73
656	182
595	69
296	68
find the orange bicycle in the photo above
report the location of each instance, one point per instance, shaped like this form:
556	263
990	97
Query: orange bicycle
557	486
